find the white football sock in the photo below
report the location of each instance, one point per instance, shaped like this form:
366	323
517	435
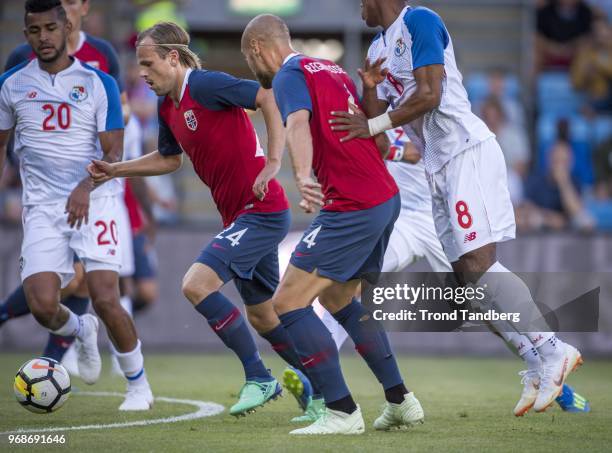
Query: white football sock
72	328
551	348
507	293
524	348
132	365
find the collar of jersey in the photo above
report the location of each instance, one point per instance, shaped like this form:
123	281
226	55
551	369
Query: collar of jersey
69	69
185	81
289	57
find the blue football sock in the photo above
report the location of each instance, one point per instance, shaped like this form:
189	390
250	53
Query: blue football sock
228	323
317	352
371	342
58	345
282	344
14	306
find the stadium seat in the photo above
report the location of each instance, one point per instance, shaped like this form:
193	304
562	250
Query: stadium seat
556	95
602	129
477	86
602	212
581	140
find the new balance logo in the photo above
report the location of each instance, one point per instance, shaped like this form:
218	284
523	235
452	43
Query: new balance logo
469	237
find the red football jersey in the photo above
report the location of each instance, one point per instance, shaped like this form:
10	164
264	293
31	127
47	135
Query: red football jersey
211	126
353	174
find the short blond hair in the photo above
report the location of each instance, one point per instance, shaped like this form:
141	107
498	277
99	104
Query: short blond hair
168	36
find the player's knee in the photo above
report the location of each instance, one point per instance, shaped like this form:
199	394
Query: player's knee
195	291
44	307
263	320
106	303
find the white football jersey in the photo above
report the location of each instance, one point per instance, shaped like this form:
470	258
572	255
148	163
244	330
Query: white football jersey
57	119
410	178
418	38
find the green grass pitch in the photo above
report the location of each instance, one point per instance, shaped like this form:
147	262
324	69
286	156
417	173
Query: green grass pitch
468	407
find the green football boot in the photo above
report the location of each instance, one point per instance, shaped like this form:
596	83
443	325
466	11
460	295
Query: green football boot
255	394
314	410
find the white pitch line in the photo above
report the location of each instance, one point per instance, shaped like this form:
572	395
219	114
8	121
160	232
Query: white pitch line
205	409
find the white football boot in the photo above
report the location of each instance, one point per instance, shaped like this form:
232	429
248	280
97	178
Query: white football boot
70	361
137	398
408	413
531	384
89	360
554	373
334	422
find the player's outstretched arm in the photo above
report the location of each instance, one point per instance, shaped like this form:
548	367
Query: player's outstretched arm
276	141
153	164
299	142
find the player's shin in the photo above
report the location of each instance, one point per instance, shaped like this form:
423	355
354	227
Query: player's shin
373	345
283	345
319	356
229	324
57	345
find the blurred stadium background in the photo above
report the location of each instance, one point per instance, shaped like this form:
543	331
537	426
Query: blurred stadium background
539	72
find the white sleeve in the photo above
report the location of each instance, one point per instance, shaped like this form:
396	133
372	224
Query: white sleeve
7	114
108	104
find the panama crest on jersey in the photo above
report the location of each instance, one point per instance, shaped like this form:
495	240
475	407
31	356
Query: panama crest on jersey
78	93
400	47
191	120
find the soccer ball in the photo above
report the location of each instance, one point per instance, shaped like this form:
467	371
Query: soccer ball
42	385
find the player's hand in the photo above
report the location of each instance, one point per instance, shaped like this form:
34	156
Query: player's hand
101	171
260	186
77	206
307	207
373	74
311	194
355	123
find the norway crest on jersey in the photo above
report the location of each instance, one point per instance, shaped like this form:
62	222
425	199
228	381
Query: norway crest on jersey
191	120
400	47
78	93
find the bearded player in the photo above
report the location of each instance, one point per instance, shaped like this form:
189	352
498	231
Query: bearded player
412	69
99	54
60	108
348	238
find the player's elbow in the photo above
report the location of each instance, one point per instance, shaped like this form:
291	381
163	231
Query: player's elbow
173	163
